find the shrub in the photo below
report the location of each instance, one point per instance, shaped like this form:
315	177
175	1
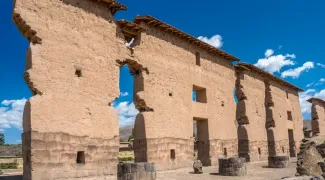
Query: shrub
13	165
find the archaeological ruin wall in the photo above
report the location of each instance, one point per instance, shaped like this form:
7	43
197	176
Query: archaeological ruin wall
164	135
268	113
69	129
251	115
72	68
318	116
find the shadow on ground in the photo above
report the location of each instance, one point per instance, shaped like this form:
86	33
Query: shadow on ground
17	177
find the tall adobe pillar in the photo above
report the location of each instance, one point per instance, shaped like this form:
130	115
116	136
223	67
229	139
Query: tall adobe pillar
70	132
318	116
252	138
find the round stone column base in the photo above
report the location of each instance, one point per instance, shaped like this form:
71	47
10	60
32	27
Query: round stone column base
232	167
278	161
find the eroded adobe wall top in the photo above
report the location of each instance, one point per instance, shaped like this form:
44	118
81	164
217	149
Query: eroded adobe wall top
71	65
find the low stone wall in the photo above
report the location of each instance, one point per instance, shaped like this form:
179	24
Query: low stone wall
61	155
253	150
136	171
161	150
278	161
232	167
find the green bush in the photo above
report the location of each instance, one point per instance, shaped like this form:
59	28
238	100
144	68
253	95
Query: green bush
125	159
9	165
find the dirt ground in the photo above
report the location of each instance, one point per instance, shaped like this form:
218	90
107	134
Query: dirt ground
255	171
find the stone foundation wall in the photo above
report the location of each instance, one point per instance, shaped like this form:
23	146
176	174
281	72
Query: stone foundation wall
54	156
222	149
159	151
253	151
279	148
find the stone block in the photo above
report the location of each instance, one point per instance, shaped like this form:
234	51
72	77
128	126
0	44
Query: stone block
197	167
136	171
278	161
232	167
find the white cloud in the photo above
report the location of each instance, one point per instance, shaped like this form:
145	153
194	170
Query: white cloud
303	97
274	63
293	56
322	80
295	73
320	95
126	113
310	84
215	40
321	65
269	52
280	47
11	113
124	93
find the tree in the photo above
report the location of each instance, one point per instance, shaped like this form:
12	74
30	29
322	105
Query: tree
131	138
2	139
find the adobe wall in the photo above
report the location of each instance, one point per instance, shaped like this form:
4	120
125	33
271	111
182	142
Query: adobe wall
251	116
263	118
318	117
69	114
167	89
282	104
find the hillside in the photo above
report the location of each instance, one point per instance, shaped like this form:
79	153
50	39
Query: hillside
11	150
125	133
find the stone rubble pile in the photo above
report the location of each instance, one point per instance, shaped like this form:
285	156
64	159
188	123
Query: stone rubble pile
311	157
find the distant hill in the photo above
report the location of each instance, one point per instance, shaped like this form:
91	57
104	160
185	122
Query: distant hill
125	133
11	150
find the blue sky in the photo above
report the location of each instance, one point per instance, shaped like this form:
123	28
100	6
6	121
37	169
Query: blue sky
282	37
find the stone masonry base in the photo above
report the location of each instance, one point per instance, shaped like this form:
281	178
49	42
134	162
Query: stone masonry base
65	156
165	153
253	151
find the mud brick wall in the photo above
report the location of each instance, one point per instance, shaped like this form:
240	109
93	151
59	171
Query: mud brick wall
167	89
286	100
251	115
72	72
318	116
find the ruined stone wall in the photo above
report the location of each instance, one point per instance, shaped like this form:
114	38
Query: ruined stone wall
318	117
167	89
251	116
71	70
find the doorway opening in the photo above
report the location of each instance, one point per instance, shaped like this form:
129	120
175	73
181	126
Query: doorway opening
292	148
202	143
126	114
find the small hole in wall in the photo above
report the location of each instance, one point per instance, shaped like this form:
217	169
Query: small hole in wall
283	149
259	151
139	141
172	154
78	73
170	94
225	151
81	157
